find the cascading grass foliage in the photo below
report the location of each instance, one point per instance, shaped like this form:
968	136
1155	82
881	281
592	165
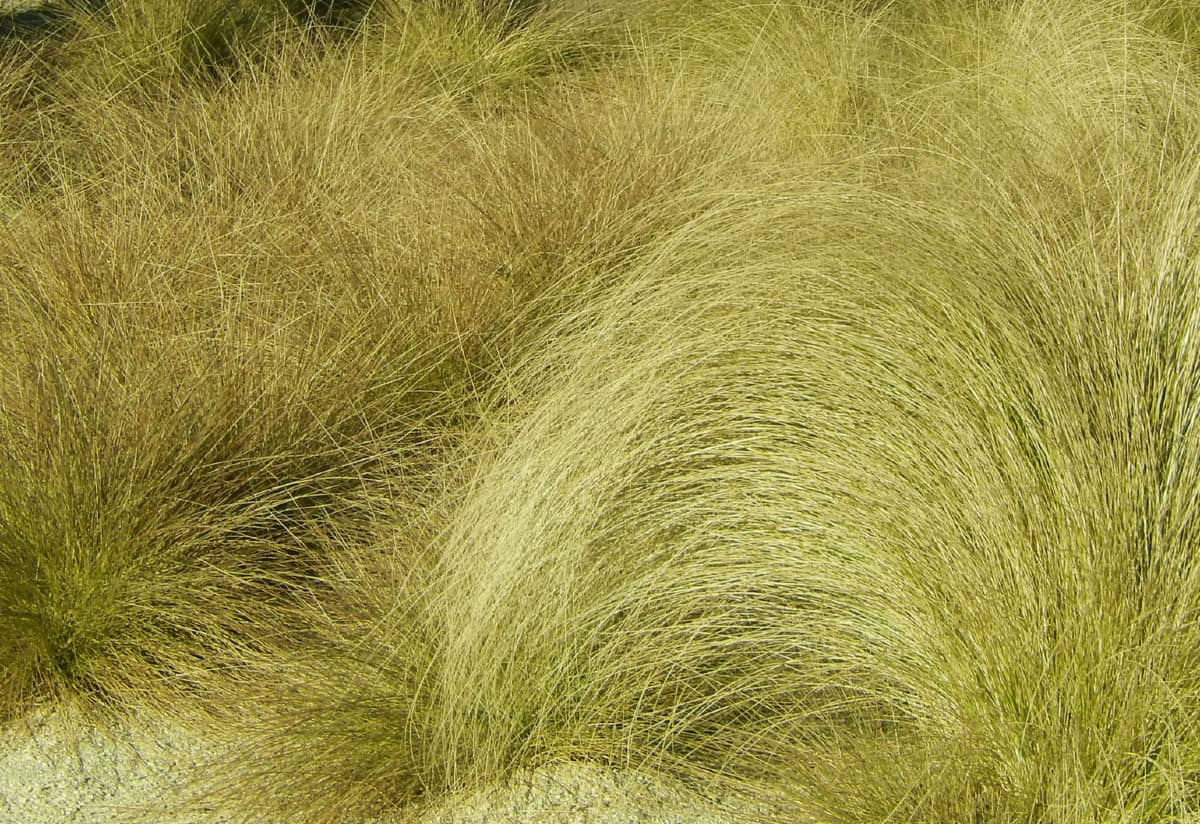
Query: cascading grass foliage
798	399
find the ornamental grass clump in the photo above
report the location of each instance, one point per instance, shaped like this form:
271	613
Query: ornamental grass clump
551	210
885	520
230	335
875	501
798	401
177	438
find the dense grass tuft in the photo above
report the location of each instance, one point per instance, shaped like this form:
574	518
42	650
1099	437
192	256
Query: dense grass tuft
798	400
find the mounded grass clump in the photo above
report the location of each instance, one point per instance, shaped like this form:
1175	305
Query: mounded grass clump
230	336
177	436
915	573
797	400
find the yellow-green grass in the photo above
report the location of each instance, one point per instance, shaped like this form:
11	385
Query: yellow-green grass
796	398
236	318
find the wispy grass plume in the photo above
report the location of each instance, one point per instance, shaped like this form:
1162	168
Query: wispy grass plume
795	399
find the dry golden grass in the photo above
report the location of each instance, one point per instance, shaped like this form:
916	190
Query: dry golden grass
796	398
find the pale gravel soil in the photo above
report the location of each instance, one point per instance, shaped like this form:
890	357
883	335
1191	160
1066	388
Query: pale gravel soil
55	772
586	794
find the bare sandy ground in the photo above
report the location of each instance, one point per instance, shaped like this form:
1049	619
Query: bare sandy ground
56	771
53	771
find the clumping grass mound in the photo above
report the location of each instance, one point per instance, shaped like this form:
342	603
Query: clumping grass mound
797	400
849	527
